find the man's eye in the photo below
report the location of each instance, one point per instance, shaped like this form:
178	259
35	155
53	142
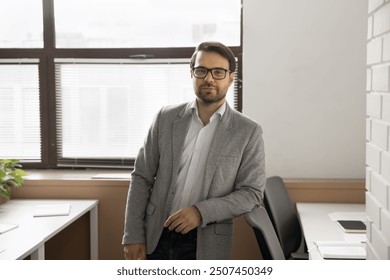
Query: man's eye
201	71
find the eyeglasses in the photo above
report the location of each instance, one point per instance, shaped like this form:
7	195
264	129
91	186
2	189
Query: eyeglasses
217	73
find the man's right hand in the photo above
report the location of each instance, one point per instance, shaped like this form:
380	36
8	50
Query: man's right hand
135	251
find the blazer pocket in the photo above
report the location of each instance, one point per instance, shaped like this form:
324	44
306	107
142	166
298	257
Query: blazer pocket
227	159
224	229
150	208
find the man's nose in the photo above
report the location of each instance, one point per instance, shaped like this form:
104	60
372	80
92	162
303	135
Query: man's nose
209	77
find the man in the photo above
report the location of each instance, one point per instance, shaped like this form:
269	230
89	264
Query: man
202	164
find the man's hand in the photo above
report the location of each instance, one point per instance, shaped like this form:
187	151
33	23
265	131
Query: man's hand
184	220
135	251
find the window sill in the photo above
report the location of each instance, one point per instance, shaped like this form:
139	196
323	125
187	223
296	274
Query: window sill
76	175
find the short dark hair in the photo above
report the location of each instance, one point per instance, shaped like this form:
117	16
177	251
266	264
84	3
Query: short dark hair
212	46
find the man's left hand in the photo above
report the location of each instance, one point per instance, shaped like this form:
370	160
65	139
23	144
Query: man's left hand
184	220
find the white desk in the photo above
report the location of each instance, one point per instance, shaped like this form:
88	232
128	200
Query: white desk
32	232
317	225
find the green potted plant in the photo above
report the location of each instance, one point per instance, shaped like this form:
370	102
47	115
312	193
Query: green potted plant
11	175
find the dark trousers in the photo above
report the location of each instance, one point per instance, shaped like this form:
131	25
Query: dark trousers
175	246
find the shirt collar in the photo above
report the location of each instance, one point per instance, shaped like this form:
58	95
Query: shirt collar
221	110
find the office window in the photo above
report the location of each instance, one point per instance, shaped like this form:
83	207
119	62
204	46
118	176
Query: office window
105	107
82	80
21	24
19	107
145	24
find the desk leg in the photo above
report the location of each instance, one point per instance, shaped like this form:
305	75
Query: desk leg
39	254
93	214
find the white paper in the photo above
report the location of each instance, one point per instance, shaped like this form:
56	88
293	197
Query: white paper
45	210
341	249
7	227
342	252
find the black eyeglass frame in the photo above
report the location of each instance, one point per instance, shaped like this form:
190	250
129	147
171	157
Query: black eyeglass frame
211	71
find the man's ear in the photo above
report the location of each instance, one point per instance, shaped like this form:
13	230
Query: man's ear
231	78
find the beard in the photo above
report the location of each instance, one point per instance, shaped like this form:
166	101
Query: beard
210	94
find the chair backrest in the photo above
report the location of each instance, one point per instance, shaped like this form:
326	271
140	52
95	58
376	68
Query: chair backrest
265	234
283	215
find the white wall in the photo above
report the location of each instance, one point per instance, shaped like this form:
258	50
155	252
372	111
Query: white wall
304	69
378	131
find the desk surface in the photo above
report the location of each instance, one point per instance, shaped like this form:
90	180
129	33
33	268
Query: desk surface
33	232
317	224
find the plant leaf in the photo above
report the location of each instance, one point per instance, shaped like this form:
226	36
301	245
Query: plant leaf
20	172
5	192
11	175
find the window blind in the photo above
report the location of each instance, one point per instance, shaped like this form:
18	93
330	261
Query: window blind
20	136
105	106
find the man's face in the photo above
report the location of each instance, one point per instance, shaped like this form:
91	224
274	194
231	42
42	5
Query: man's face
210	90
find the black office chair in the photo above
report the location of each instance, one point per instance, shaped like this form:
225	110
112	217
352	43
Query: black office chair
284	218
265	234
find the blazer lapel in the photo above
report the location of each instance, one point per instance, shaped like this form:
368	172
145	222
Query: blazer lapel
180	128
221	138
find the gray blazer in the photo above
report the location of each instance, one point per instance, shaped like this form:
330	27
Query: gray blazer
233	184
